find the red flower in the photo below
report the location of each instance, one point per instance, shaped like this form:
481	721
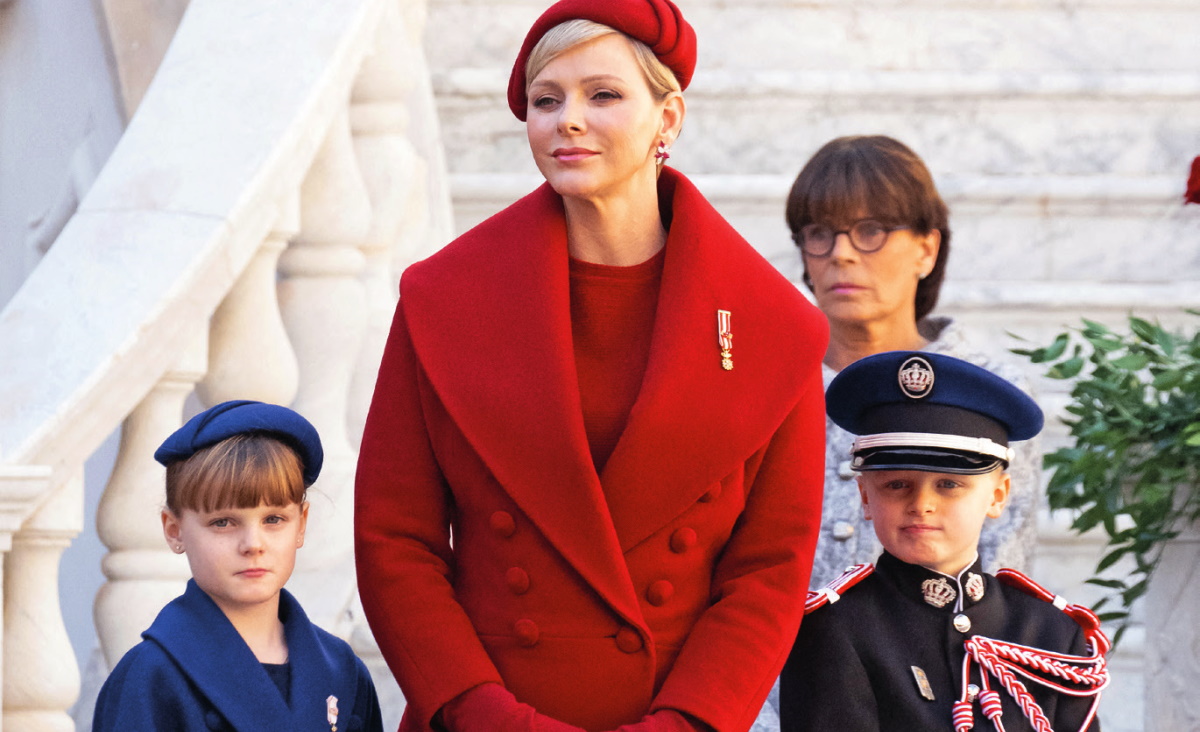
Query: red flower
1193	188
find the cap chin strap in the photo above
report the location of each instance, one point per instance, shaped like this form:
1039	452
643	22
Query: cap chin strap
981	445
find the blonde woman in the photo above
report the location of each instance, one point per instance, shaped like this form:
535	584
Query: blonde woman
589	486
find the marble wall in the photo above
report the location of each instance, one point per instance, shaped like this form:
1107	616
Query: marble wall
59	120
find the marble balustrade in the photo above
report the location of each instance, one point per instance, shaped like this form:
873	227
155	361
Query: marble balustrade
250	250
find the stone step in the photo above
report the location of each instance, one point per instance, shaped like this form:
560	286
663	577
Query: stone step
771	122
979	35
996	87
1090	231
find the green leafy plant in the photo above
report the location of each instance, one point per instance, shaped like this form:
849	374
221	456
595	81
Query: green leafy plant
1134	467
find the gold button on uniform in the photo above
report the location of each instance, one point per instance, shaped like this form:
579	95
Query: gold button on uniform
503	524
526	632
517	580
629	640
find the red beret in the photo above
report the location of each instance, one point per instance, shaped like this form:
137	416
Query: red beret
657	23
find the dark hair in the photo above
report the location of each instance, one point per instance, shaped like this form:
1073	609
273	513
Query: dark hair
243	471
879	175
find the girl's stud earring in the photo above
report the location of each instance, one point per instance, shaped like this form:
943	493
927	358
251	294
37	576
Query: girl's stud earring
663	152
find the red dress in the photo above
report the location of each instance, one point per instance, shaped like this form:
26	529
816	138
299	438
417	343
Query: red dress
676	577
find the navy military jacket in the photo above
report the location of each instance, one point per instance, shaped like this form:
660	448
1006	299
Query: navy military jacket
193	672
851	667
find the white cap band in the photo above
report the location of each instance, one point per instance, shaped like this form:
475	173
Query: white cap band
980	445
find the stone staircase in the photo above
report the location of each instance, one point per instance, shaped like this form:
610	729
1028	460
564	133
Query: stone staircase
1059	132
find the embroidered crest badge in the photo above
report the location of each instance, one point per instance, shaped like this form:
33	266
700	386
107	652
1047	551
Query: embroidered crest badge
974	587
938	592
916	377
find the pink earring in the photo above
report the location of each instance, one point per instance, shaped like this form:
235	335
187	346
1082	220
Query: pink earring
663	152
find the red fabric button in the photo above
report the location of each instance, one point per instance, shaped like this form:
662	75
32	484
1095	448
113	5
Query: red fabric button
659	592
503	524
712	494
527	632
629	640
517	579
682	540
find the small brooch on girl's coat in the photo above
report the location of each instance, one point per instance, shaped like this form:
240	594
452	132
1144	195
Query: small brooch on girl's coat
331	712
725	338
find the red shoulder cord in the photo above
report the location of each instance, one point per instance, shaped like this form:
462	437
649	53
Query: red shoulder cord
832	592
1087	675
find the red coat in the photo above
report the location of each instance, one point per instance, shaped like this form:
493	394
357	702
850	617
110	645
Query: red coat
677	577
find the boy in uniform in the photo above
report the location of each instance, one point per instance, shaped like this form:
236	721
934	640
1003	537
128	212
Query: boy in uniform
925	640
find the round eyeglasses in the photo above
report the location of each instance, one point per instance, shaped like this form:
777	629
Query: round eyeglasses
866	235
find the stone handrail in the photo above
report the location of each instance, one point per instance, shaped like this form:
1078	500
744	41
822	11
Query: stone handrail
241	242
181	207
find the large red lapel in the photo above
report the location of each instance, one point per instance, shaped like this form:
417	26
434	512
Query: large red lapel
490	320
695	422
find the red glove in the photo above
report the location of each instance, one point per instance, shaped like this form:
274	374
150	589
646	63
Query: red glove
493	708
664	720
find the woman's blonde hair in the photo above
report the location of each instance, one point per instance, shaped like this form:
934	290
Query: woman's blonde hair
243	471
571	33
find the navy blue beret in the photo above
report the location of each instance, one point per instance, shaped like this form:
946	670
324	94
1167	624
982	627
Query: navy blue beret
913	410
242	417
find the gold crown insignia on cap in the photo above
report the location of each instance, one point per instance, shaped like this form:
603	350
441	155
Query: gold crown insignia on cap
916	377
938	592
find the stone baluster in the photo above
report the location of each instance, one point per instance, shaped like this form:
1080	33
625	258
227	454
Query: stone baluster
249	354
41	678
424	131
324	308
21	487
143	574
394	175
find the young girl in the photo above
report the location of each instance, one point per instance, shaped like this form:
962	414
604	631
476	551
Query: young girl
236	651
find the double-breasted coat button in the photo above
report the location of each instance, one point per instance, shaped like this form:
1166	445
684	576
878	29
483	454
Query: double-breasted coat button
842	530
659	592
711	494
629	640
503	524
962	623
527	632
517	580
682	540
845	472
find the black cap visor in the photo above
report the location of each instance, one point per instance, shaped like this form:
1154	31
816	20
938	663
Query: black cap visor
926	459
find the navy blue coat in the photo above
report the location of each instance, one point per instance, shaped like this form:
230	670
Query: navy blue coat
193	671
851	667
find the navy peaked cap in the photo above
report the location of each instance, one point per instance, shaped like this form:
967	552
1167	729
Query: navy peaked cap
913	410
246	417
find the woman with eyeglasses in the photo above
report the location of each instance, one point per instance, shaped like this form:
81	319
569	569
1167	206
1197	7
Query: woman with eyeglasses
874	236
